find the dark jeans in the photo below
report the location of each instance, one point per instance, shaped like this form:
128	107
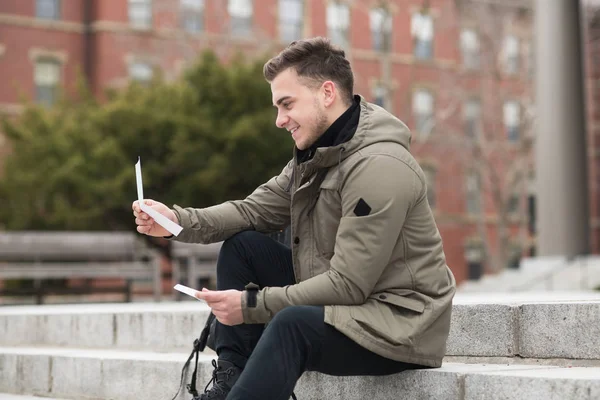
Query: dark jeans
296	340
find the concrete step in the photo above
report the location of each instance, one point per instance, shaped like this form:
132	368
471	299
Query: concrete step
526	325
167	326
7	396
125	375
531	325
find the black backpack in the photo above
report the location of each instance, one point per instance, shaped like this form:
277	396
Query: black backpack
206	338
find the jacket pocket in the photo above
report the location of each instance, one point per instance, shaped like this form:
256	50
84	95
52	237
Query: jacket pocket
325	218
400	301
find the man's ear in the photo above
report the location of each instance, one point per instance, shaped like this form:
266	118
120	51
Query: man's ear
329	93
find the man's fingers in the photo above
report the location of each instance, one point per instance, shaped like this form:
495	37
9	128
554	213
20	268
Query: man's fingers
141	215
144	229
210	296
146	222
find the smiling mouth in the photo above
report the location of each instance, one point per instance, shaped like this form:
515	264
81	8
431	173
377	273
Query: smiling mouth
294	130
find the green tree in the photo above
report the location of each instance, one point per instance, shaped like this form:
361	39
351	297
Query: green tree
207	138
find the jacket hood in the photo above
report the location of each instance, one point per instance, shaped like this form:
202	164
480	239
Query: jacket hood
375	125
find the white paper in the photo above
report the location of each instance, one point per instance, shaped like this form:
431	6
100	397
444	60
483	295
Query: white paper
160	219
187	290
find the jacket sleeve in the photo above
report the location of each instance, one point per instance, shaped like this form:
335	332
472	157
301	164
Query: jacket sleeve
376	197
267	209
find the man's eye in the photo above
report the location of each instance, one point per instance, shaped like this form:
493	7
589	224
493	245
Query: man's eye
286	106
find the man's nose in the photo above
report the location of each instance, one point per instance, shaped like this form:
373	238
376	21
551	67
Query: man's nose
281	120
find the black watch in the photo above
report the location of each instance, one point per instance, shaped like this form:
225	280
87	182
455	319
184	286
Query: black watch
252	292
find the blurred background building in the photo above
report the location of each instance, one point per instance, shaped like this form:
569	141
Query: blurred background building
458	72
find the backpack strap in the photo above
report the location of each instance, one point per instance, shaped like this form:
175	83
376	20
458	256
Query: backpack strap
199	345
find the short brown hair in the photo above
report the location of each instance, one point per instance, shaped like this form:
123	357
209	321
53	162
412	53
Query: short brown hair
316	60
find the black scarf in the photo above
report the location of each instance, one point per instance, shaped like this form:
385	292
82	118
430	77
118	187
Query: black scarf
340	131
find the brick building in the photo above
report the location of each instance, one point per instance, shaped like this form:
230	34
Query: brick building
450	73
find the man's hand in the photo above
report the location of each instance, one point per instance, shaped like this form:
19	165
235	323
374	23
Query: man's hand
146	224
226	305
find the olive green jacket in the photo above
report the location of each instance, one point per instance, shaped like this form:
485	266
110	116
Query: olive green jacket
365	244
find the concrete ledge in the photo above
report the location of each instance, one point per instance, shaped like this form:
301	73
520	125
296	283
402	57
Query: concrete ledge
79	374
151	327
570	330
483	330
482	326
6	396
530	325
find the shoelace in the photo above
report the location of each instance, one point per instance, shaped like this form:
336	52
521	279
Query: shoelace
217	388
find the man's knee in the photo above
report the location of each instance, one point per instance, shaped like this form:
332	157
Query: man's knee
297	317
242	238
237	243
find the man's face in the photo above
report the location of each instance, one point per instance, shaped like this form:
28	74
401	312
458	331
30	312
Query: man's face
299	109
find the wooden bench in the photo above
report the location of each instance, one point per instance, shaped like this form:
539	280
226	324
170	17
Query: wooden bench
193	263
41	256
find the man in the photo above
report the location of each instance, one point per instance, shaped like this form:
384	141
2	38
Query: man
364	289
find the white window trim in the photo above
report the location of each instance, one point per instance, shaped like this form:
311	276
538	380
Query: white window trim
246	11
137	24
384	19
196	10
296	20
338	9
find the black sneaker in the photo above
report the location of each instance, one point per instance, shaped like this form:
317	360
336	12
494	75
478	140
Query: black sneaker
224	377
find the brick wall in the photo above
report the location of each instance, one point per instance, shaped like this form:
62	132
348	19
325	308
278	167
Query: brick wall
113	44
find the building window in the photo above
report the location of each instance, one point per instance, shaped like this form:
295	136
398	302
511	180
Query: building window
192	15
430	176
472	116
140	13
240	14
469	47
338	23
474	255
421	29
511	54
473	193
47	9
512	120
381	29
141	72
379	93
423	111
291	20
47	79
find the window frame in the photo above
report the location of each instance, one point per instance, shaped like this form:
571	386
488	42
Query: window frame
56	8
513	132
53	87
421	118
343	29
240	25
297	23
384	35
423	49
140	4
192	16
132	76
471	58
